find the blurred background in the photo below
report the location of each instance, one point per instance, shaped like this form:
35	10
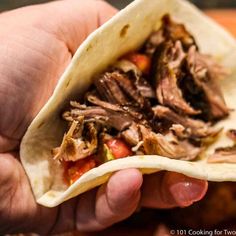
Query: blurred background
9	4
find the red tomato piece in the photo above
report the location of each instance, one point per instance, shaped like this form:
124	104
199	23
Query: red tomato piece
118	148
78	168
142	61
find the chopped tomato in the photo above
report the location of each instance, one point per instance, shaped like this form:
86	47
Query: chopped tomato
66	165
118	148
142	61
76	169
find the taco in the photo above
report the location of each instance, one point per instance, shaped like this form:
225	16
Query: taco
151	99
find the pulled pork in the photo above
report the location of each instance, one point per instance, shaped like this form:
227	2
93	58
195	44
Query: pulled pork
168	145
204	73
160	100
169	59
223	155
169	31
77	144
193	128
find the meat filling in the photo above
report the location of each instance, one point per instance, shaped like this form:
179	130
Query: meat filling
159	100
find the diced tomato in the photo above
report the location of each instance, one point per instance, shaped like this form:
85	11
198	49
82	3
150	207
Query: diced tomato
66	165
142	61
78	168
118	148
74	170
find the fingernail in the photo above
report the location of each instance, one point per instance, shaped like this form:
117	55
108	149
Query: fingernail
186	190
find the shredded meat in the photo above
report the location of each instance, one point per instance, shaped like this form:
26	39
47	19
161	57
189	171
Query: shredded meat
145	89
132	135
114	119
194	129
75	146
167	110
177	32
129	88
92	98
132	71
223	155
126	93
127	67
179	130
205	73
168	146
169	31
155	39
110	90
169	58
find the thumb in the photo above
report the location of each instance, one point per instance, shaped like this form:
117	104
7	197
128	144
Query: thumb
169	189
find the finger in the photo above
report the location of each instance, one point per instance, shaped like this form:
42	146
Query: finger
65	221
115	201
7	144
119	198
169	189
185	190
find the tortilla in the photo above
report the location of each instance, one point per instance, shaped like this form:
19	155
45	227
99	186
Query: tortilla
123	30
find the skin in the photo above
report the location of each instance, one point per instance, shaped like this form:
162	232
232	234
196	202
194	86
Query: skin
37	44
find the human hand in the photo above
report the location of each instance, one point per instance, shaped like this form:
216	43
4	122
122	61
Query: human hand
37	43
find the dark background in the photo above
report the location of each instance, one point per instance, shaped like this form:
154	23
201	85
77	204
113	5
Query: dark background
9	4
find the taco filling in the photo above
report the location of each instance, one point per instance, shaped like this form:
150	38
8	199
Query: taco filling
162	99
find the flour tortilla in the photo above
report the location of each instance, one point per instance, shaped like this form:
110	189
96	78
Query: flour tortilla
124	32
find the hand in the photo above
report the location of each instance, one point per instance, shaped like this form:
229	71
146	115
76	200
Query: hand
37	43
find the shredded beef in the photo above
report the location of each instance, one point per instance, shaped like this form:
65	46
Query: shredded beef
131	91
132	135
176	32
169	31
75	147
223	155
204	73
114	119
195	129
169	58
167	111
126	93
168	145
134	74
154	41
145	89
108	88
126	66
179	130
